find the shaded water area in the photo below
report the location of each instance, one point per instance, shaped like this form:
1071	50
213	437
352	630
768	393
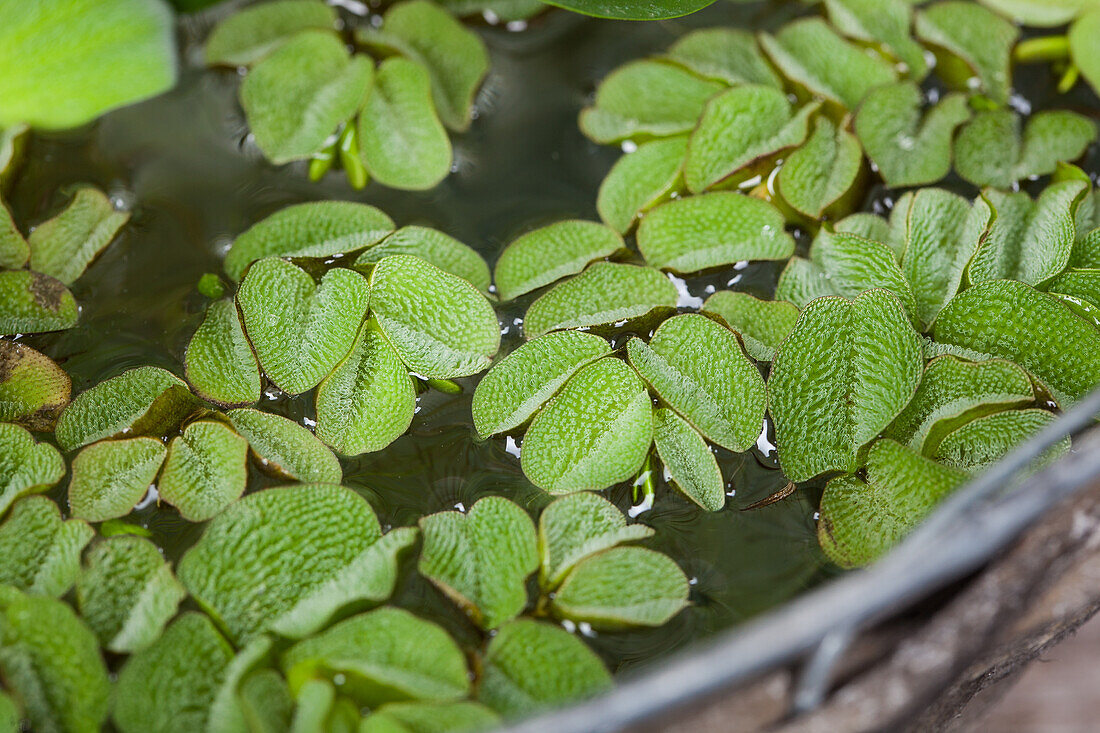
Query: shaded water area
185	164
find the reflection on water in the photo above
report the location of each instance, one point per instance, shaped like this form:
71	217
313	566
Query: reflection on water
194	180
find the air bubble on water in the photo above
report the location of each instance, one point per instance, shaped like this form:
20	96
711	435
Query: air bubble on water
355	7
973	83
740	264
709	289
504	330
510	446
151	497
122	199
517	321
460	507
734	280
1020	104
684	297
376	21
272	394
586	629
338	679
490	17
568	625
640	509
516	26
629	146
309	423
693	581
620	324
763	444
817	516
751	182
933	96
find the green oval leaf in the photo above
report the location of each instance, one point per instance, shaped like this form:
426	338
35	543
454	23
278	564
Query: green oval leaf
402	142
110	477
315	229
369	399
33	388
762	324
65	245
728	55
141	401
481	559
434	247
382	656
522	382
439	324
127	593
28	467
31	302
285	449
219	363
296	97
286	559
594	433
247	36
50	661
739	127
688	460
622	587
40	553
985	440
1012	321
970	41
721	228
846	371
646	99
299	329
531	666
697	367
206	470
550	253
821	172
640	180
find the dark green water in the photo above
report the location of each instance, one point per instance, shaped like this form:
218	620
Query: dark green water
194	181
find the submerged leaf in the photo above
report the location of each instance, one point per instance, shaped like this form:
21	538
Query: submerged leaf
688	460
520	383
604	293
66	244
762	324
127	593
110	477
286	559
219	363
247	36
550	253
531	666
40	552
206	470
720	228
594	433
845	372
641	180
31	302
33	388
434	247
822	171
697	367
992	151
481	560
286	449
27	467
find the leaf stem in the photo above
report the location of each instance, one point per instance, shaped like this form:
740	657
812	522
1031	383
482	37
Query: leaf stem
321	162
446	386
348	148
1069	79
645	481
1045	48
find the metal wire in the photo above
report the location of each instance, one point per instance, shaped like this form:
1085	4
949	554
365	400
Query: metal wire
962	534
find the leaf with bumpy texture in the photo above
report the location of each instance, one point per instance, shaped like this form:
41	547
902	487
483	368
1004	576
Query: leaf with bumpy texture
720	228
247	36
697	367
440	325
762	324
14	250
315	229
66	244
577	526
1078	283
402	142
594	433
206	470
368	400
481	560
455	56
115	53
10	716
845	372
970	41
1013	321
812	55
110	477
435	247
31	302
604	293
286	449
219	363
40	553
286	559
1040	13
622	587
728	55
522	382
992	151
550	253
265	703
739	127
688	460
26	467
171	685
646	99
426	717
531	666
909	149
33	388
141	401
820	173
640	180
861	521
953	392
296	97
51	663
882	22
299	329
127	593
985	440
385	655
1029	241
